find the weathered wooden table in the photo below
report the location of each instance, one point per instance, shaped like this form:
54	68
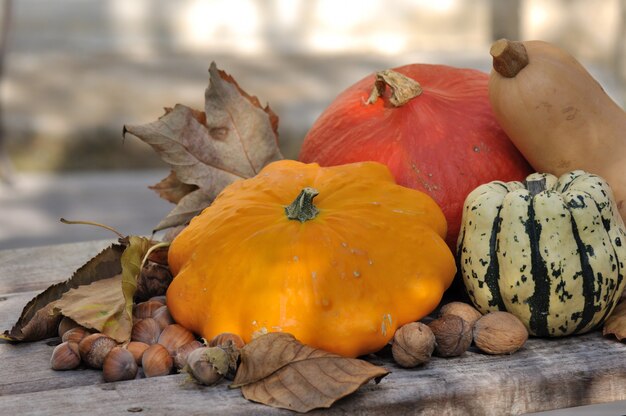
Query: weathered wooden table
545	374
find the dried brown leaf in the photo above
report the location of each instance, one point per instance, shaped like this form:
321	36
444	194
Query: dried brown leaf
38	321
172	189
616	322
107	305
232	139
100	306
279	371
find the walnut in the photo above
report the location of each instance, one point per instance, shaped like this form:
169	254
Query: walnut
452	334
499	333
412	345
462	310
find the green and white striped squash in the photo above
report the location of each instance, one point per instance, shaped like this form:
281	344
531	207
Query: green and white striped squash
551	251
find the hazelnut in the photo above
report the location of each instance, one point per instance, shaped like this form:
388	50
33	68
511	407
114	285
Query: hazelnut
453	335
146	331
232	344
207	365
462	310
413	344
65	325
499	333
163	317
160	298
153	280
156	361
65	356
174	336
226	338
181	353
145	309
119	364
75	334
94	348
137	348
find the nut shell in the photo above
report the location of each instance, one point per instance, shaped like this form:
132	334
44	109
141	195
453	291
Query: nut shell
118	365
225	339
181	353
65	356
94	348
462	310
207	365
65	325
137	348
153	280
174	336
145	309
147	331
413	344
75	334
156	361
453	335
499	333
162	317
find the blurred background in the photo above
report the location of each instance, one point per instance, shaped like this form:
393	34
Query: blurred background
73	72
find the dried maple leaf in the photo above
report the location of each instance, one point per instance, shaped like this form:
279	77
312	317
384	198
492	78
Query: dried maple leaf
38	320
232	139
616	322
279	371
172	189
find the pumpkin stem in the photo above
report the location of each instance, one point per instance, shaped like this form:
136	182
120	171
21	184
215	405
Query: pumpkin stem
536	186
509	57
403	88
302	208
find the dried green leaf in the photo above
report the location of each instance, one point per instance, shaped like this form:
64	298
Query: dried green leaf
38	321
615	324
234	138
279	371
132	260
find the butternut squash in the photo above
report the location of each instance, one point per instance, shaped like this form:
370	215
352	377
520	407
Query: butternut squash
557	114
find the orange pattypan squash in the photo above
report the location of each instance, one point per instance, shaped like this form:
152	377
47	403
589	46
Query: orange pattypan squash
340	272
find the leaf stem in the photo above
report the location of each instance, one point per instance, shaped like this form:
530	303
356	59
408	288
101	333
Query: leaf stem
120	235
151	249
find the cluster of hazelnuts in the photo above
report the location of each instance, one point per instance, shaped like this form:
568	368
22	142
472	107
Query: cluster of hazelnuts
158	346
453	332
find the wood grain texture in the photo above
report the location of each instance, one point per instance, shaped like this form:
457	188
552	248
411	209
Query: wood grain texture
36	268
544	375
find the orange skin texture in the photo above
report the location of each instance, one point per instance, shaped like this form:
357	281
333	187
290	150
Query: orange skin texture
444	142
561	119
372	260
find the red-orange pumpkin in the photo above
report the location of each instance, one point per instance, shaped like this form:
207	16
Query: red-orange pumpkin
444	141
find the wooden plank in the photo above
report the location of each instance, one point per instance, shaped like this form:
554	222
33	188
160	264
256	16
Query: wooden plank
11	306
544	375
26	369
36	268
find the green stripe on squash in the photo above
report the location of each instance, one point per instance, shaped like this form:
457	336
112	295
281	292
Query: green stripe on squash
548	250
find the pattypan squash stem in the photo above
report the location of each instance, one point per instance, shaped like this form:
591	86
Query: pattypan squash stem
302	208
403	88
536	186
509	57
